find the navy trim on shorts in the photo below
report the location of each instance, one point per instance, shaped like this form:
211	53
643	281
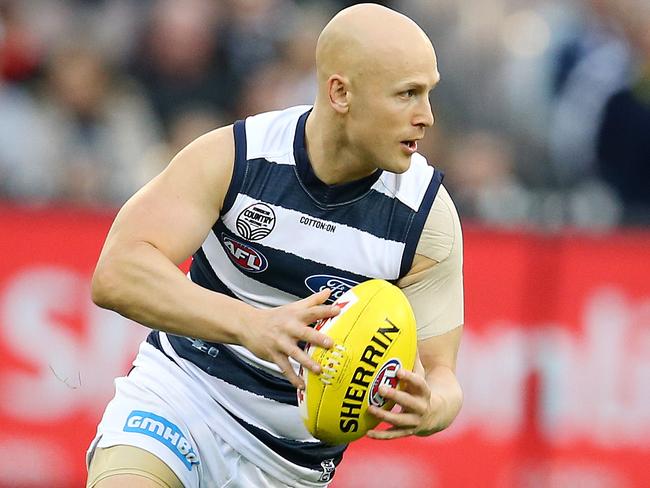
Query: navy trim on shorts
154	339
306	454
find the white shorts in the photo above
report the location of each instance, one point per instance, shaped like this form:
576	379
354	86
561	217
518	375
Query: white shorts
154	410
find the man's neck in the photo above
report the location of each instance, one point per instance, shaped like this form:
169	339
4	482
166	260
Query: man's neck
332	158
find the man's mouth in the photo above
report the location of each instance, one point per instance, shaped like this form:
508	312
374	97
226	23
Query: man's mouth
410	146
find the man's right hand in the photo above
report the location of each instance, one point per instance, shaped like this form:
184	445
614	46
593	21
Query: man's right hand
274	334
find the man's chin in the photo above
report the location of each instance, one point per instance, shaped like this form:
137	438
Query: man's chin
399	166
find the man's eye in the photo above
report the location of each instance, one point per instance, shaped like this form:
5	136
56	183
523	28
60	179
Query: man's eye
409	93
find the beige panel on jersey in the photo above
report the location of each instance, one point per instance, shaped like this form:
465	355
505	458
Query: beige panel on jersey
130	460
434	286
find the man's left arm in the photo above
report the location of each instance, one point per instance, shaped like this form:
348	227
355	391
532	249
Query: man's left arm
430	397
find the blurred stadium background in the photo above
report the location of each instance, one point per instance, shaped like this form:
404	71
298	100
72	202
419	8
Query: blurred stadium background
542	128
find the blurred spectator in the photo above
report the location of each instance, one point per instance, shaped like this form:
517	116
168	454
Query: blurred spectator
292	75
480	175
591	65
545	80
98	127
113	25
20	49
22	147
19	122
179	62
491	64
624	137
183	128
467	49
253	34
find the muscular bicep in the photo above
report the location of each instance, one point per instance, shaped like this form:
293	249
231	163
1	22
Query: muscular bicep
175	211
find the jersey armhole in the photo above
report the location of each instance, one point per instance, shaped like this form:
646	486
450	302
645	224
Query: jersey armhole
417	224
239	166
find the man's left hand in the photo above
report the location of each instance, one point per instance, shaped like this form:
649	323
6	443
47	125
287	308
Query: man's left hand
419	409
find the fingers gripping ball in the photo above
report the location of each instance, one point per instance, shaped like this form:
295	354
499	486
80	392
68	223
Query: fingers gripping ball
374	336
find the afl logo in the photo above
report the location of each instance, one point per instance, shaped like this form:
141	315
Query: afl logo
243	256
256	222
387	376
338	285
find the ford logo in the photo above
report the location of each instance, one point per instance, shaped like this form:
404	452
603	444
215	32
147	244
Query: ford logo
337	284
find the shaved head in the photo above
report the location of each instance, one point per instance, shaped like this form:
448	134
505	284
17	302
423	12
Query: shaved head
367	39
375	69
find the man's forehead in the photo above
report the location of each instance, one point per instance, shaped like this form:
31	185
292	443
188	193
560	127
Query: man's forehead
420	72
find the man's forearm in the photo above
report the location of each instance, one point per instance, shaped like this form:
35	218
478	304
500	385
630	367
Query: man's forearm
446	397
143	285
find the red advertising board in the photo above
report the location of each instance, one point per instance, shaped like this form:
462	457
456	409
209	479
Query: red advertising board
58	352
555	362
555	367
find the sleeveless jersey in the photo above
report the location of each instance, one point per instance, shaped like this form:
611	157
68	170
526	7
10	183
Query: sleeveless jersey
281	236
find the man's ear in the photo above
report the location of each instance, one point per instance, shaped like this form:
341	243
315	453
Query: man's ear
338	93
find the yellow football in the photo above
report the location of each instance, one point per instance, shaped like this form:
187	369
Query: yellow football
374	336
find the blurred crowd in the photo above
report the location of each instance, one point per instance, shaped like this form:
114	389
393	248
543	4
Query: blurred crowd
542	114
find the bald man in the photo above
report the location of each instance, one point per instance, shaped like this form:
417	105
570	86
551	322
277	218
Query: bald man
282	213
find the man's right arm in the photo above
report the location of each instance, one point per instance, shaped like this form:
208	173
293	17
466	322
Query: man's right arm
160	227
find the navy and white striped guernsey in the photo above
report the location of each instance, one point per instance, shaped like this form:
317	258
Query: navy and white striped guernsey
283	235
